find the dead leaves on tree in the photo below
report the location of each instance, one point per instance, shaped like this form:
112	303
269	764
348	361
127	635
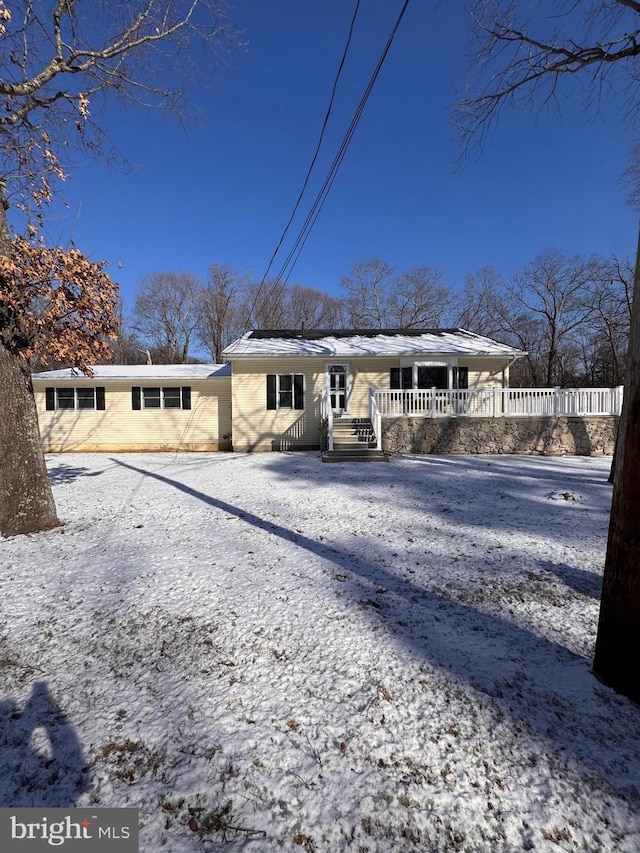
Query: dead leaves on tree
56	306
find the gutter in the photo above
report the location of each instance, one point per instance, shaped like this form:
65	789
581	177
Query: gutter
505	381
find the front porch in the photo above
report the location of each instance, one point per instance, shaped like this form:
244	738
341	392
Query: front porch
499	402
486	403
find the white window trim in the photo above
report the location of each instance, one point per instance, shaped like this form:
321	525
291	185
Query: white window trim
161	388
448	361
75	407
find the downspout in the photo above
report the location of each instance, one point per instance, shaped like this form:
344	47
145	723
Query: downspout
505	371
505	383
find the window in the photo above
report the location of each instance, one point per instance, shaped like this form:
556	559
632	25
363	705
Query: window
151	398
74	398
428	376
432	377
401	377
155	397
461	377
285	391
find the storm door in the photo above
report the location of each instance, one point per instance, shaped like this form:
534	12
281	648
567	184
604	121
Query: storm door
338	385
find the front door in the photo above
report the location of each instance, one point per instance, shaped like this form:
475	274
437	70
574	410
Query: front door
338	385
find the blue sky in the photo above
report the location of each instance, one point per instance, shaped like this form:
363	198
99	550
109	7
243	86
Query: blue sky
222	193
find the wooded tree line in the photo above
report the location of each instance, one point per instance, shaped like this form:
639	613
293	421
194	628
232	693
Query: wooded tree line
570	313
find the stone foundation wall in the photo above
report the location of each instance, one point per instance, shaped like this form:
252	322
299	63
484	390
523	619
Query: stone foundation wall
588	436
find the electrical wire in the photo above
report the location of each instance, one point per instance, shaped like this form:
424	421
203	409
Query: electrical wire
321	197
315	156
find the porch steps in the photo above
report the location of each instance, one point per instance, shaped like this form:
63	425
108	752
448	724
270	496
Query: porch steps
353	441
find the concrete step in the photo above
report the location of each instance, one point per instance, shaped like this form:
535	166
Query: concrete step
353	440
351	455
352	426
352	436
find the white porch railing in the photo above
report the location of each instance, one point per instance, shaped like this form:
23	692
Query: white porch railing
327	414
375	417
497	402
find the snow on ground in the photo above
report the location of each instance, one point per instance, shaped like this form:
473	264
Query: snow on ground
264	652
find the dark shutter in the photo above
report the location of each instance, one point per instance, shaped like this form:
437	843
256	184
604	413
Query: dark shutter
394	377
50	394
186	397
463	377
298	391
271	391
407	377
135	397
100	399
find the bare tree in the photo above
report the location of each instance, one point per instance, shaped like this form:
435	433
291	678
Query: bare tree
532	55
480	305
167	312
419	299
556	294
367	293
524	61
265	305
308	308
127	348
221	318
612	316
59	59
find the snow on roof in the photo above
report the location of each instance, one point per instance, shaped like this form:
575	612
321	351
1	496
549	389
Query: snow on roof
365	342
139	371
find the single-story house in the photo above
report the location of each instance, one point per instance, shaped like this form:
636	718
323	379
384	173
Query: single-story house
353	393
286	385
277	390
135	407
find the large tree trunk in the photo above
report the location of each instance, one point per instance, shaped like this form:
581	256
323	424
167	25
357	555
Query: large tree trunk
26	500
618	641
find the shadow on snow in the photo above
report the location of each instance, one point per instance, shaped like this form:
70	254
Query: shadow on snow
41	760
531	678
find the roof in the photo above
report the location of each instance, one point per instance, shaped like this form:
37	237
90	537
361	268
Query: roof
139	371
368	343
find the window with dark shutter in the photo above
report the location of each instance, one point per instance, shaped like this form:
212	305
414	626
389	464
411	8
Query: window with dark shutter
285	391
74	399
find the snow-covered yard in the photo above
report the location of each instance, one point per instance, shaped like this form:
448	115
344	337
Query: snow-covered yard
268	653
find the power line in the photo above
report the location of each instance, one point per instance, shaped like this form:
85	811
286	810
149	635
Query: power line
321	197
315	155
